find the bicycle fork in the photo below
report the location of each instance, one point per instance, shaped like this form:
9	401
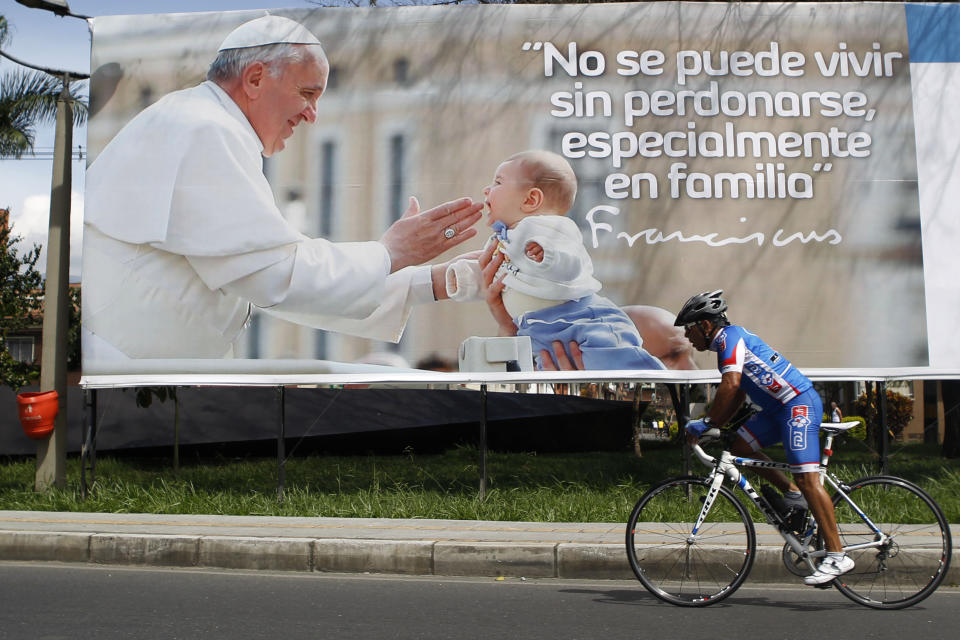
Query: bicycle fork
716	479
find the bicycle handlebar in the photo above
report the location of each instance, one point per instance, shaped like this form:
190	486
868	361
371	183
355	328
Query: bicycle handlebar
710	434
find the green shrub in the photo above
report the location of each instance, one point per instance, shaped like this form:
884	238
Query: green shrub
859	432
899	410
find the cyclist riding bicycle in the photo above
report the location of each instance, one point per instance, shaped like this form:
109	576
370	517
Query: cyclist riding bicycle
791	413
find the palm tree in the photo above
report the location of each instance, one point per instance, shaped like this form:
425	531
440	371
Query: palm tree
26	99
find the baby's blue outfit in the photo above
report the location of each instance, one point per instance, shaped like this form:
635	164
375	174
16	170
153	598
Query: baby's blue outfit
606	335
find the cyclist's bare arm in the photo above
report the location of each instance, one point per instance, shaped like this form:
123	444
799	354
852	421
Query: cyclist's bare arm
728	399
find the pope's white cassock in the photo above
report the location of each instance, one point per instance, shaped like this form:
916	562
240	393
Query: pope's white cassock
182	235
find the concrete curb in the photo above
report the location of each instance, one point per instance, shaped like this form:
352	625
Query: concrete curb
410	557
591	551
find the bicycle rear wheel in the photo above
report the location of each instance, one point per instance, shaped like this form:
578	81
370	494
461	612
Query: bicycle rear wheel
912	563
682	568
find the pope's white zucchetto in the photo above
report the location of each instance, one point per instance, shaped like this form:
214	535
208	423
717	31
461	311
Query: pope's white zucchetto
267	30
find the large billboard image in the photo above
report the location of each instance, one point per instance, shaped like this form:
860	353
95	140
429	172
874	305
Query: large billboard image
464	188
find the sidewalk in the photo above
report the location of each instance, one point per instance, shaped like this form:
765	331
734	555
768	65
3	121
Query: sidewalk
423	547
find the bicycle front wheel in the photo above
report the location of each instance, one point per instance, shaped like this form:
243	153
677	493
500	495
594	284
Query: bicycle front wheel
911	562
678	565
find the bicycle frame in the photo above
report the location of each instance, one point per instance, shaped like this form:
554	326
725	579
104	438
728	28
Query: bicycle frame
728	467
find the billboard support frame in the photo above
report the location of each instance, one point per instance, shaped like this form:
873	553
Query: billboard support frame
679	394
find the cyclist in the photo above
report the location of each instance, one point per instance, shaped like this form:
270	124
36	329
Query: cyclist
791	414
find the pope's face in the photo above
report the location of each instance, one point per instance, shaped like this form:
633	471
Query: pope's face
286	100
506	194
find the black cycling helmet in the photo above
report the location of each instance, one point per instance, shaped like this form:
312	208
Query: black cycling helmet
703	306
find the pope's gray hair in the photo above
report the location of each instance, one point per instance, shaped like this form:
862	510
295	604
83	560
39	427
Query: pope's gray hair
229	64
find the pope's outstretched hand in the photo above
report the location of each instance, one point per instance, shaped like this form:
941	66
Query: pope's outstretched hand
419	237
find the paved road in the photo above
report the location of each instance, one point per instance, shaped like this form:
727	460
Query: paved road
39	600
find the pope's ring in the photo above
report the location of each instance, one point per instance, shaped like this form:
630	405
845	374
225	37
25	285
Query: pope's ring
449	233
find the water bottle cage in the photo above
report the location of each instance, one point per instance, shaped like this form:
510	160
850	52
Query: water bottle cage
775	500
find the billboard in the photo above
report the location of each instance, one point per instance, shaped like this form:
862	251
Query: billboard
798	156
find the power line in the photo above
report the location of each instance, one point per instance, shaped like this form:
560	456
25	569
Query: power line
46	153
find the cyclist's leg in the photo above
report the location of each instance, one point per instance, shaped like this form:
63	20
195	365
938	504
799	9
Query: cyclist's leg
819	503
759	432
800	422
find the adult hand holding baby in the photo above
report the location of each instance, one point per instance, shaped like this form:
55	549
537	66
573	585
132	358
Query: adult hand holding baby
560	359
490	261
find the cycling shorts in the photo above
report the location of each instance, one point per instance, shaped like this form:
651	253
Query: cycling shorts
796	425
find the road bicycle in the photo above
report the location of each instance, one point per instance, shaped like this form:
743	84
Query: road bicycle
691	542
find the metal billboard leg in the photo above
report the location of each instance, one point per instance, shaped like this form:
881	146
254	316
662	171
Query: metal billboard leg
483	441
281	443
88	450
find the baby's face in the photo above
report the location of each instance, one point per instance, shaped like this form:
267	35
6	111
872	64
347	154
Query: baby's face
504	196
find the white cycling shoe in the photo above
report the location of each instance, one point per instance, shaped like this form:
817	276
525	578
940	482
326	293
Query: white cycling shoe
829	570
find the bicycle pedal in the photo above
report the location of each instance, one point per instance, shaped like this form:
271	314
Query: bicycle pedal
825	585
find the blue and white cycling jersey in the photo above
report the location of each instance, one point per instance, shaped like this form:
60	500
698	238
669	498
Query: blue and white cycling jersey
767	377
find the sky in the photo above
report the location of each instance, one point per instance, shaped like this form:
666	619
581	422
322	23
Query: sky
44	39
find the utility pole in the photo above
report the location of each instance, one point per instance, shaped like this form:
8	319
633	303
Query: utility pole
52	452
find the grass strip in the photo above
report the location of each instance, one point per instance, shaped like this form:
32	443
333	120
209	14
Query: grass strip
574	487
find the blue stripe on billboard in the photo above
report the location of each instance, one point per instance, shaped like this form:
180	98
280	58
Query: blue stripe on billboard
934	32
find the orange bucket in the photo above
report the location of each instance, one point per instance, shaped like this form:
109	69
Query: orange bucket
37	411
